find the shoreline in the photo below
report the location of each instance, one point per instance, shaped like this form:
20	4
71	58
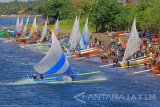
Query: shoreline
15	16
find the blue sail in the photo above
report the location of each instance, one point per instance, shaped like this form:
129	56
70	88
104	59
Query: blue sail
55	61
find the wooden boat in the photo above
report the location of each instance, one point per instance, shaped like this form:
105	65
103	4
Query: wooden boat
133	46
34	39
22	40
54	63
155	69
2	34
87	52
134	62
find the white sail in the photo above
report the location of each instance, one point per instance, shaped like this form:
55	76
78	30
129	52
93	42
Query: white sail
21	24
25	27
18	25
78	37
44	31
75	35
34	27
85	35
134	42
54	62
73	31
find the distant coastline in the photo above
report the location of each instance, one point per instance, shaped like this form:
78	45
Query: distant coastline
14	16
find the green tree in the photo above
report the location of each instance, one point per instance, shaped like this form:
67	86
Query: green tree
107	14
55	8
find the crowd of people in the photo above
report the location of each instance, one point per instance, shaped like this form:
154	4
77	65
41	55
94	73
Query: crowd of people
114	51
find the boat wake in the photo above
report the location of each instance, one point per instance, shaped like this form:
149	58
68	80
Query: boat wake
66	80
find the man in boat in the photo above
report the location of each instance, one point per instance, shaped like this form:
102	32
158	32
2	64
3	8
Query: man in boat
41	76
34	77
73	75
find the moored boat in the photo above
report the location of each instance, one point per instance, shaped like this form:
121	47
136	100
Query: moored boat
133	46
87	52
155	69
2	34
134	62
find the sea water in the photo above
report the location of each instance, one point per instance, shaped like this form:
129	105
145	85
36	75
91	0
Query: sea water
122	88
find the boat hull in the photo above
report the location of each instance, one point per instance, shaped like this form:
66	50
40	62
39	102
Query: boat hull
134	62
155	69
87	52
2	34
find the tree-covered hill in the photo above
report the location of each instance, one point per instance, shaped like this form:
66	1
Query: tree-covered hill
103	14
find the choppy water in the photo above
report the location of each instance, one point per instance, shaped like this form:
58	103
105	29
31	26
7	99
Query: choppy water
16	63
4	22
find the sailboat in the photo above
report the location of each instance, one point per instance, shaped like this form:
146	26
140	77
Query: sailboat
23	38
25	28
75	35
33	32
84	42
54	62
133	46
16	28
21	25
56	28
44	33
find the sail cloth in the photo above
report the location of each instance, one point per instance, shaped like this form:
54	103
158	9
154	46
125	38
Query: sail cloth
75	35
78	37
16	28
25	28
134	42
34	27
21	25
55	61
85	36
73	31
56	28
44	32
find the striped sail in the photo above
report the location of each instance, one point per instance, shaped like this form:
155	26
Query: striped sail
85	36
133	44
34	27
25	28
55	61
44	31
